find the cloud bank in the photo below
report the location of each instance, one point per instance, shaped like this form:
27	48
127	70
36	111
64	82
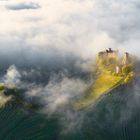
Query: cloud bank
79	27
58	94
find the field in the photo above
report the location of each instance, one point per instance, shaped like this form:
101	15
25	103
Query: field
103	85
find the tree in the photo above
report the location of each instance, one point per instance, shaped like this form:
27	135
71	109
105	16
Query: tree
127	69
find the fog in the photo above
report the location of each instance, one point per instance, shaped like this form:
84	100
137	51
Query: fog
81	28
49	47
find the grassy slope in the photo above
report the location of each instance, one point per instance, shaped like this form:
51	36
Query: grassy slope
103	84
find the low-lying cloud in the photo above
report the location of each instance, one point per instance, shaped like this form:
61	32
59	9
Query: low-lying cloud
59	93
12	77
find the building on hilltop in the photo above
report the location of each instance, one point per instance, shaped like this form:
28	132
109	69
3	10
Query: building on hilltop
113	54
109	53
125	60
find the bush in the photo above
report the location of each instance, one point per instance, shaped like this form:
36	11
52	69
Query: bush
127	69
129	77
2	87
114	73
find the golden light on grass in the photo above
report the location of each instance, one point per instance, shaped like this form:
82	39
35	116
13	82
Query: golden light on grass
103	85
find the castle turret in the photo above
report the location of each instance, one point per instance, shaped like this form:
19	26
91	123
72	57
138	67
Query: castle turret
125	58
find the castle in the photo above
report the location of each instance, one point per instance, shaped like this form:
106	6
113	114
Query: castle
113	54
109	53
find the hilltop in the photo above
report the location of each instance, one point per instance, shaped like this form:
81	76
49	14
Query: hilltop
112	70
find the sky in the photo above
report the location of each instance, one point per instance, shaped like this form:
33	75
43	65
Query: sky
80	27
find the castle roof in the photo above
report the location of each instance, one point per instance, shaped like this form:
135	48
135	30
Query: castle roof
107	51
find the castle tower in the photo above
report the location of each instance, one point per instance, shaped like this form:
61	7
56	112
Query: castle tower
112	54
126	58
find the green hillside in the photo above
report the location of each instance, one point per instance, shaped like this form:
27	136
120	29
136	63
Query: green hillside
108	78
103	84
